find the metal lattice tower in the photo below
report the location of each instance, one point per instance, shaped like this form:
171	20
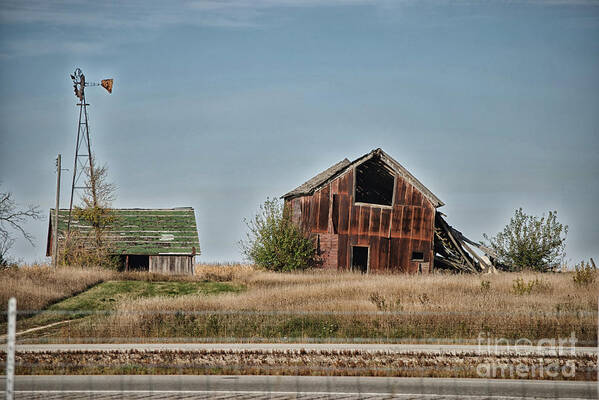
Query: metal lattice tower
83	153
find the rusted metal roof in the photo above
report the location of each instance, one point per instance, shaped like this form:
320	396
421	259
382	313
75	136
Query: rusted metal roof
141	231
325	176
341	167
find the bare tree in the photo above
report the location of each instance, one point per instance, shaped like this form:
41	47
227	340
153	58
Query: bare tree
97	201
12	218
91	247
99	191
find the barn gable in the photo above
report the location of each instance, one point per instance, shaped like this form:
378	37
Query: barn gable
342	167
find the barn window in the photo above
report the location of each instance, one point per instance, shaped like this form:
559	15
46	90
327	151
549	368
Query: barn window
417	256
374	183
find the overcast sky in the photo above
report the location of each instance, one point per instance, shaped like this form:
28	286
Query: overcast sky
493	105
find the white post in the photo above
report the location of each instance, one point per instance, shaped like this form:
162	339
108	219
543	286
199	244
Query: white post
10	348
55	232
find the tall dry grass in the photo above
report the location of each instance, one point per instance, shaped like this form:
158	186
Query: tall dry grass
352	292
36	287
348	305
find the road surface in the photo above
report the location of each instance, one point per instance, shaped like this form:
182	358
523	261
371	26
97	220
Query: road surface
284	387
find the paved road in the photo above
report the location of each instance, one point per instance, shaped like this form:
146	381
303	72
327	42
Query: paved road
396	348
284	387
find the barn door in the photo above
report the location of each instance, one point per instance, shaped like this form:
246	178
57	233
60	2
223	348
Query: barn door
360	259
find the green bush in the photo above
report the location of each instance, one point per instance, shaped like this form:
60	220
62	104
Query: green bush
528	242
274	242
521	287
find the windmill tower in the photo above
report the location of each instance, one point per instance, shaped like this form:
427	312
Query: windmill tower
83	153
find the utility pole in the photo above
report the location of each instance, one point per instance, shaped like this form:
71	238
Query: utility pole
55	227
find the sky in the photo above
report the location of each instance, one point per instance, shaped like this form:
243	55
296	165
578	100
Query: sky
217	105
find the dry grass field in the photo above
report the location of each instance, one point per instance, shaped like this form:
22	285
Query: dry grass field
46	296
38	286
324	306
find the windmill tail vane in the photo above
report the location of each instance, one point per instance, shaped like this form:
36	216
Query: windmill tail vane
107	84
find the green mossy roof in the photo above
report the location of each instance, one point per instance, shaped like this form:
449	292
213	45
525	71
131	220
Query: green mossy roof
142	231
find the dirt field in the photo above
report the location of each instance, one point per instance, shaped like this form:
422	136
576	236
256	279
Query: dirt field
301	362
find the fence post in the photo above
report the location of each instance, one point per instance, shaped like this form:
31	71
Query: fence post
10	348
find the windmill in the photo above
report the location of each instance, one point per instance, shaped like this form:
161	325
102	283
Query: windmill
83	152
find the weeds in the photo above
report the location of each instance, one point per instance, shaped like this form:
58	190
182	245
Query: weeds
520	287
485	286
585	273
424	299
378	301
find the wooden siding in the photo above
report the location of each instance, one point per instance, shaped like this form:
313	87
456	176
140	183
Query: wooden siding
172	264
392	233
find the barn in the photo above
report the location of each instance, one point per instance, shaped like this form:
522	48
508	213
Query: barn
368	215
155	240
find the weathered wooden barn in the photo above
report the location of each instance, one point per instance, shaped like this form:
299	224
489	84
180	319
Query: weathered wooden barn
370	215
155	240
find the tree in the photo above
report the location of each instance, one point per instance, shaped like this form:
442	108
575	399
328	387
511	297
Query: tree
90	248
529	242
274	242
12	218
97	201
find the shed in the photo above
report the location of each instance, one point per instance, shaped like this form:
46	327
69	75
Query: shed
155	240
369	215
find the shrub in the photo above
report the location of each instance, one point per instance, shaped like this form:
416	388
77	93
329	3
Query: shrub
424	299
485	286
274	242
528	242
78	249
378	300
585	273
521	287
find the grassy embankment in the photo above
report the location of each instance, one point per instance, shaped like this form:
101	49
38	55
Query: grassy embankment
37	287
45	296
323	306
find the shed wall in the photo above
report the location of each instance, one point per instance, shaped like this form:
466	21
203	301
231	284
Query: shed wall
172	264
